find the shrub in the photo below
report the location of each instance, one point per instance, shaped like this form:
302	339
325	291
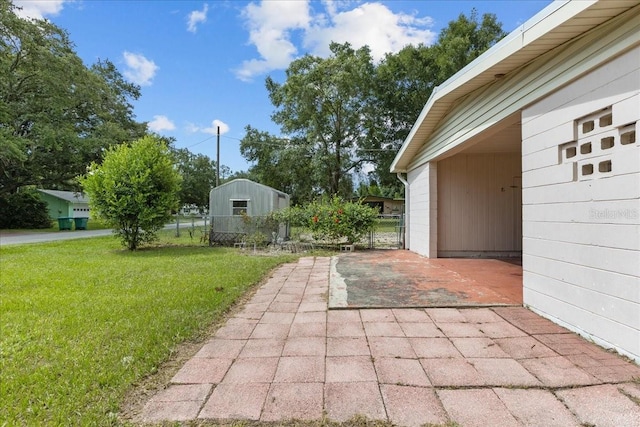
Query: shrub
333	220
23	210
134	189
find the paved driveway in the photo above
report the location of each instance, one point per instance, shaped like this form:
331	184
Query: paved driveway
284	355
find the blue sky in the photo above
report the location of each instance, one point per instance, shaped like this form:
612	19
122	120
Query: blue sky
202	64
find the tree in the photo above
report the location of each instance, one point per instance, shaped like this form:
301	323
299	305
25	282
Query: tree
326	108
134	189
56	115
198	177
406	80
343	112
464	40
281	164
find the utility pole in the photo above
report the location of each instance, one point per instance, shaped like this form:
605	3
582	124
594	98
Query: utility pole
218	161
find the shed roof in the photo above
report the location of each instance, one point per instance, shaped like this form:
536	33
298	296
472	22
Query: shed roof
257	184
555	25
68	196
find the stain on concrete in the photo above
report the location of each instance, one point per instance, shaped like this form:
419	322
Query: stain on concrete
398	278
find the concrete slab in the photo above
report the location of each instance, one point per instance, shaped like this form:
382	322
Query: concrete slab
503	372
536	408
346	329
294	401
235	401
348	346
154	412
409	315
202	371
305	346
419	329
345	400
268	347
308	330
391	347
558	371
524	347
478	347
476	408
601	405
221	348
412	406
452	373
383	329
350	369
252	370
401	372
300	369
434	348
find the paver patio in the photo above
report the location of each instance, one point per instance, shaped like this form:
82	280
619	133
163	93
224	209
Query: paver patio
284	355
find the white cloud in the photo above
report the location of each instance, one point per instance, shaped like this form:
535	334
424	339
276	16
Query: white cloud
212	130
191	128
272	25
38	9
160	123
140	70
371	24
197	17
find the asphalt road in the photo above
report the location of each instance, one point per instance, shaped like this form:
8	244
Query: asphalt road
31	237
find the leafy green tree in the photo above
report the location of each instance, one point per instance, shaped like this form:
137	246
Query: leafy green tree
23	210
463	40
282	164
56	115
134	189
406	80
198	177
326	108
344	112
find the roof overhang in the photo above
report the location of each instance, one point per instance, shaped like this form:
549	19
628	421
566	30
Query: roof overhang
555	25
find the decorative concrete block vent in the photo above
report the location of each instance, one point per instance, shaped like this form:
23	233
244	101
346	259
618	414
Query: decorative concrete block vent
347	248
597	140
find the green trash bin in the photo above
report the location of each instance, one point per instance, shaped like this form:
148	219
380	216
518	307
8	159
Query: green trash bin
81	223
65	223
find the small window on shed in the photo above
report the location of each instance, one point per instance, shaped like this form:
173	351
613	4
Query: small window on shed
239	207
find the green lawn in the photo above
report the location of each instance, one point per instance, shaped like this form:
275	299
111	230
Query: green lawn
83	320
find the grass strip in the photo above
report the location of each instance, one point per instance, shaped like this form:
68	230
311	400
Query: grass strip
83	320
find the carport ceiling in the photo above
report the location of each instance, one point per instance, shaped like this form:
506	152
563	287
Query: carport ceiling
507	140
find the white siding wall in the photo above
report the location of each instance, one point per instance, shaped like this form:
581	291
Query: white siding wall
423	209
581	228
479	205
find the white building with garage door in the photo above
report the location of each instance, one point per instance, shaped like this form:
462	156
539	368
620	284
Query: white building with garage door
532	149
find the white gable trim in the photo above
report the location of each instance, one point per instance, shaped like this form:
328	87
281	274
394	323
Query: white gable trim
531	71
489	105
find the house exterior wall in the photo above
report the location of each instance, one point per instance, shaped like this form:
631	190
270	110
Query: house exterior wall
57	207
479	205
423	210
581	205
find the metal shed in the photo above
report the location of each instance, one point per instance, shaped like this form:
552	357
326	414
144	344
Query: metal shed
237	207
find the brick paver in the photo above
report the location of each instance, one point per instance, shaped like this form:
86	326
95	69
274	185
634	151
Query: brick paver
285	356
